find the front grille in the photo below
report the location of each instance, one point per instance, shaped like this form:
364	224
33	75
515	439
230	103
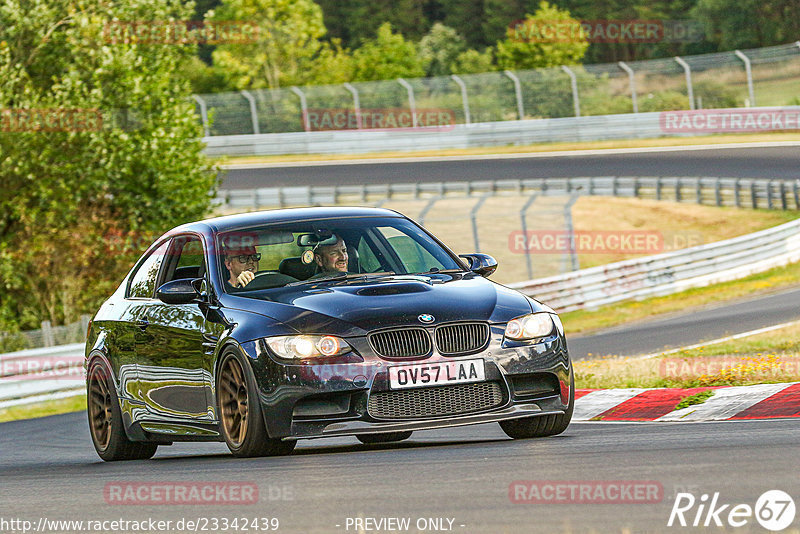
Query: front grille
406	343
435	401
461	338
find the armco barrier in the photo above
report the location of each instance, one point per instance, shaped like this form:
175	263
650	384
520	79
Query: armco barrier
36	375
518	132
668	273
738	192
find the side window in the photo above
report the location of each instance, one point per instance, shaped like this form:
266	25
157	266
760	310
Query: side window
187	256
413	255
143	283
366	257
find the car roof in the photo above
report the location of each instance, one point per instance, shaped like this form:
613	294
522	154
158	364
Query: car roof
244	220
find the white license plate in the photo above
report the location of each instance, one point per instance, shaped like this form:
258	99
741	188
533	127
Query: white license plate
436	374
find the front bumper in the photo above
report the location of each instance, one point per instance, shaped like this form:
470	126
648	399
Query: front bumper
316	401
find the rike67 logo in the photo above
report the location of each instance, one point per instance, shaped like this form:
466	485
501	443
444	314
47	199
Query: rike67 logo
774	510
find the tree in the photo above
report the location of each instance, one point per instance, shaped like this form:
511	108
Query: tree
387	57
356	21
472	62
440	49
288	42
97	138
528	46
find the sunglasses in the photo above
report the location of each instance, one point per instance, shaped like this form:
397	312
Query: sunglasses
244	258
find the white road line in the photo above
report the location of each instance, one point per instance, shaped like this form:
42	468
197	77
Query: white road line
718	340
594	403
520	155
725	403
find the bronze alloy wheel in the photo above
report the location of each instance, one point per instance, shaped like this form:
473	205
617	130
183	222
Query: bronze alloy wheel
100	413
234	401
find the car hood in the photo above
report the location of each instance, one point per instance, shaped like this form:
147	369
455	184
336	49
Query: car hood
355	307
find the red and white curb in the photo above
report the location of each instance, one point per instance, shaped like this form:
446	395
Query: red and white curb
762	401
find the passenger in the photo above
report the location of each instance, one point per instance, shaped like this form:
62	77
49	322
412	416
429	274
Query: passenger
331	258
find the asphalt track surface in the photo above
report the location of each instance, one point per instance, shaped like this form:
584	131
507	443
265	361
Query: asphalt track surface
684	329
758	162
49	469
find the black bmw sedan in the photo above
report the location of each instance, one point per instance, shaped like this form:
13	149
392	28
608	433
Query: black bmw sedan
264	328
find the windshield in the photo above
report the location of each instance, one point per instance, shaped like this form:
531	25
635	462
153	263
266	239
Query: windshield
278	255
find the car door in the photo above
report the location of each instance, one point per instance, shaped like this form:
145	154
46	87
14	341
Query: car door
174	369
131	331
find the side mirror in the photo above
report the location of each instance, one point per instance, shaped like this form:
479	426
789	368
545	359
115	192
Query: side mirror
481	264
177	292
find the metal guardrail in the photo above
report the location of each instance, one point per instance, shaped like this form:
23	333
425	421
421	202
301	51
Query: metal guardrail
735	192
518	132
36	375
668	273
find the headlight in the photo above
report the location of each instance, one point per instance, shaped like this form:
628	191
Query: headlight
529	326
305	347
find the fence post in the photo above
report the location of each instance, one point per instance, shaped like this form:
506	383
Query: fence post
253	111
517	92
573	254
632	80
303	106
783	195
464	98
523	214
753	198
769	194
573	81
736	199
689	88
412	103
717	192
356	102
677	189
473	214
428	207
658	188
748	70
797	188
613	186
699	190
635	187
203	113
47	334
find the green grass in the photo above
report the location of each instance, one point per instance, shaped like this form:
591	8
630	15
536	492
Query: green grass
767	358
586	321
697	398
43	409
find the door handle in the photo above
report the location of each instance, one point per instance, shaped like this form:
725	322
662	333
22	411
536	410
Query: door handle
142	323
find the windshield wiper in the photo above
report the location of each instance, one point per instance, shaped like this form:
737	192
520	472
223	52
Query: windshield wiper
339	276
442	271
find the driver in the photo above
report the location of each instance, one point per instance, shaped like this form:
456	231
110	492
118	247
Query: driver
242	264
331	258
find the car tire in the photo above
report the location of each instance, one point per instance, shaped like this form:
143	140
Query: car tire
543	425
386	437
105	418
241	418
